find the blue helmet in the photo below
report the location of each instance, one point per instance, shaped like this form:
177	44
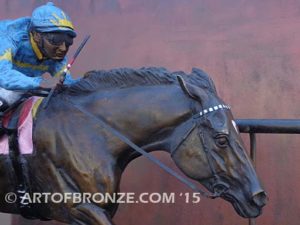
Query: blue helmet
49	18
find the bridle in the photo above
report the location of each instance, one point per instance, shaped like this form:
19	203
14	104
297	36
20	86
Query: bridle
219	187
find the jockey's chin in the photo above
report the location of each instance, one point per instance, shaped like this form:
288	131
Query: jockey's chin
58	57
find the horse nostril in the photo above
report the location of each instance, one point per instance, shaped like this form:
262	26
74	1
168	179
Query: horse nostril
260	198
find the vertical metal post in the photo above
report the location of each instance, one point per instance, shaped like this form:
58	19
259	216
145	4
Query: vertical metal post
253	148
253	158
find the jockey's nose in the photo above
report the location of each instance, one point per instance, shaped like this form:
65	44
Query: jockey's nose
63	47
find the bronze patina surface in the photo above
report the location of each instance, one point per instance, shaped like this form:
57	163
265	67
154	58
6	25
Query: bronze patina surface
149	106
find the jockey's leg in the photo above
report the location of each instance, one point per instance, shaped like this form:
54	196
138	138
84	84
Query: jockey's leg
7	98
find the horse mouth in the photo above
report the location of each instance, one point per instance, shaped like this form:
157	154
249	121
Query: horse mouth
243	209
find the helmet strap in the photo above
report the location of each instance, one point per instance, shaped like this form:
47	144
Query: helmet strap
36	45
42	47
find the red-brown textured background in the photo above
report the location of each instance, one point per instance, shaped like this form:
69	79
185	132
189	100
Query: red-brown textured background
250	48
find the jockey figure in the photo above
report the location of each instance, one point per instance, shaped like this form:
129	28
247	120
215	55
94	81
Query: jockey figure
31	49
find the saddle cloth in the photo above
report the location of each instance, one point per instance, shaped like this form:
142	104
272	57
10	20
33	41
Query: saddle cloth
25	123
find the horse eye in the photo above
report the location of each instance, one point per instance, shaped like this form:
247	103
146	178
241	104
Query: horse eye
222	141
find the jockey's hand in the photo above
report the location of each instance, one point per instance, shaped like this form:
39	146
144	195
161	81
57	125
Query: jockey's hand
49	81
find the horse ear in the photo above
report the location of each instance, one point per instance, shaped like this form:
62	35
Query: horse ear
191	90
184	87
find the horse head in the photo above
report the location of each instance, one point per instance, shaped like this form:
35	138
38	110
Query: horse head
213	153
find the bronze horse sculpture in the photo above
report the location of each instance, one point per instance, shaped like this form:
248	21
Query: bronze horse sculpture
155	109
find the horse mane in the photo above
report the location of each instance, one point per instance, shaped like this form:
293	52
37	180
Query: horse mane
128	77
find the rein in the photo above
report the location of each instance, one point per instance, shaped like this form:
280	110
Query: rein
217	193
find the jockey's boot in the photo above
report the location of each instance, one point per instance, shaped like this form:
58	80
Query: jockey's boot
2	130
3	107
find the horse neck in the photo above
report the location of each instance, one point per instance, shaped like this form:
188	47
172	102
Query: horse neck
144	114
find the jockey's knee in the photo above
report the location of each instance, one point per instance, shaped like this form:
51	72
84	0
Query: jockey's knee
7	98
3	105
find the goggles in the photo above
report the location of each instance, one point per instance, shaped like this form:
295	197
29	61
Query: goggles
58	39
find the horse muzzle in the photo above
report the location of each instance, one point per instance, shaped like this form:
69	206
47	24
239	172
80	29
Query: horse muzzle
260	198
247	207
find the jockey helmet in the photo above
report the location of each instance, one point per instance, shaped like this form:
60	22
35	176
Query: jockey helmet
49	18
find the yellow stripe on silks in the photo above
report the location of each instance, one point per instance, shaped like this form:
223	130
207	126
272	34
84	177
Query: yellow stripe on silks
7	55
34	67
62	22
36	107
35	48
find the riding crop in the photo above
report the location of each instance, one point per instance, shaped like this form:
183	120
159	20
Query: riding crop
64	73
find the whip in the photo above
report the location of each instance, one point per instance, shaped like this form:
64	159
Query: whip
64	73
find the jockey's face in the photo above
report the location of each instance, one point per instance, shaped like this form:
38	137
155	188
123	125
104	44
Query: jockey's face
54	45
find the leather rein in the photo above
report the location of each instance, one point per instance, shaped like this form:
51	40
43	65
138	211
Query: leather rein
219	187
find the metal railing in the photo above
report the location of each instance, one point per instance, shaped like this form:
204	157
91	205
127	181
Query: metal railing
266	126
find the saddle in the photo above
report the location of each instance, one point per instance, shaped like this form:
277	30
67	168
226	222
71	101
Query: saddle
20	121
13	117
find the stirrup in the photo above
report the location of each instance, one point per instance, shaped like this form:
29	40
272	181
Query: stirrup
8	130
2	128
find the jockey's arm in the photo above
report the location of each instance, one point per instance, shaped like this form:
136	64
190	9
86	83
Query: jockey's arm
11	79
